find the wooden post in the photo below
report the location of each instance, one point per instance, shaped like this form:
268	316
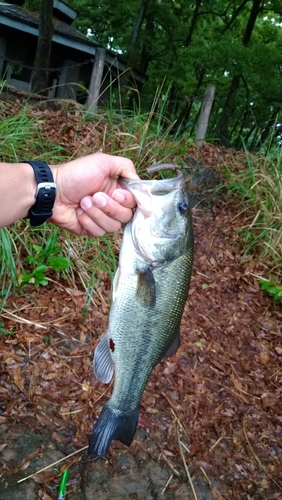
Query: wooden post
2	57
96	78
67	88
204	115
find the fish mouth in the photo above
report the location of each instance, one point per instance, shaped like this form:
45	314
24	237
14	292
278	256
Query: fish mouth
158	187
143	191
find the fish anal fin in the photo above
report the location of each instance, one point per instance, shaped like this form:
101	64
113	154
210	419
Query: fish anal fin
146	287
174	344
102	362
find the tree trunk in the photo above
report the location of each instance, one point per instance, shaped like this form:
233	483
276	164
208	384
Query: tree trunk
238	141
229	104
146	52
40	76
268	128
193	23
227	111
133	58
186	109
96	79
133	54
234	16
205	115
252	21
185	112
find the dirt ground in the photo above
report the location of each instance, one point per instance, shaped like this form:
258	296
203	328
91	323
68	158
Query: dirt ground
210	420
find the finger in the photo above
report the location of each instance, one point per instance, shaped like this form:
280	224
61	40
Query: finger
90	228
101	219
124	197
105	210
113	208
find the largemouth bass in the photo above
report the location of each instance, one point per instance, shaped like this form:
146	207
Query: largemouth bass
150	289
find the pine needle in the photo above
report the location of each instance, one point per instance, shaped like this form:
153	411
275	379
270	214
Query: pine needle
186	466
53	464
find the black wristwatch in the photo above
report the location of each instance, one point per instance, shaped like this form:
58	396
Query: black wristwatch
46	193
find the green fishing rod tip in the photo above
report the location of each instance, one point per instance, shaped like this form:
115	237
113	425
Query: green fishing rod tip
63	485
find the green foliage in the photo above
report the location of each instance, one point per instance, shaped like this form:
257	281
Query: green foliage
3	331
48	339
32	5
272	288
37	276
183	46
42	259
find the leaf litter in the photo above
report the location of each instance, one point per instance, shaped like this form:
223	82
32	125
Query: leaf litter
210	420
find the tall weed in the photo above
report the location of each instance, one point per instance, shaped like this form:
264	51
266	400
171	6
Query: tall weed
259	187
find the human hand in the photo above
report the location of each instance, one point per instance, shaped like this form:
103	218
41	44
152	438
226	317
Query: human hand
89	199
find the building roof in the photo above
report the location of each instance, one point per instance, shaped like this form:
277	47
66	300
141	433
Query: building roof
18	18
65	9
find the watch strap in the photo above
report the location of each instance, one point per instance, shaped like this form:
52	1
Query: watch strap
45	196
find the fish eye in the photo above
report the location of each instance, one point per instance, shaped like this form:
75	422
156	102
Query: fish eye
183	208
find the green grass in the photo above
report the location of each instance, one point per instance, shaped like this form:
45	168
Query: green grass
95	260
272	288
21	137
259	188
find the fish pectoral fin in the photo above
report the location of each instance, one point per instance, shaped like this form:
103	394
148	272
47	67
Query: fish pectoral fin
174	345
146	288
102	362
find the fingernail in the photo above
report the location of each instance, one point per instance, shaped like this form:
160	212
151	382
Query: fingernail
79	211
86	202
118	196
99	200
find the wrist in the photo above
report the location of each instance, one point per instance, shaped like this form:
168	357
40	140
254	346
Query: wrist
29	184
54	170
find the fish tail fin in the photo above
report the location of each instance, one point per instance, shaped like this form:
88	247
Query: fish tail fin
112	424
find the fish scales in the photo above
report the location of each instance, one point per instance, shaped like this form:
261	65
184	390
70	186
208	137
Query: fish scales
143	350
149	294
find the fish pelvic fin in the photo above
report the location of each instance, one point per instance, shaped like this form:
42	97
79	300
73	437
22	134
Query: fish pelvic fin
102	362
175	343
112	424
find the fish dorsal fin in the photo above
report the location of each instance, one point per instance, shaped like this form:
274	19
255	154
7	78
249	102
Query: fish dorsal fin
174	344
146	288
102	362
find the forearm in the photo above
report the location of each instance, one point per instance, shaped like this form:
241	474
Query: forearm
17	191
89	199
